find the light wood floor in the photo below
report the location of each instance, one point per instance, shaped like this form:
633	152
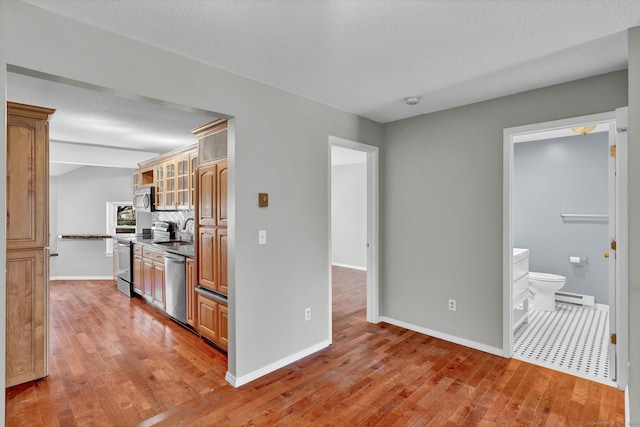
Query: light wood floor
117	362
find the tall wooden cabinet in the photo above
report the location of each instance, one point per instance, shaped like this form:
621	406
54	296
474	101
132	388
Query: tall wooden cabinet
212	226
211	231
27	239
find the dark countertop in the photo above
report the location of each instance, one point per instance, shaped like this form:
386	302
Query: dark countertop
187	250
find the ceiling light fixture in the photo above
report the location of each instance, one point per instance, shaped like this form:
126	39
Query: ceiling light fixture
583	130
412	100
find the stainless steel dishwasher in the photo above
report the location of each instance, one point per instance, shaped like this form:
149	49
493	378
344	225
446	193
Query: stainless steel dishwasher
175	286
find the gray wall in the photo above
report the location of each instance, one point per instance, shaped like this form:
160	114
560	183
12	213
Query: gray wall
442	219
564	175
270	285
80	207
349	215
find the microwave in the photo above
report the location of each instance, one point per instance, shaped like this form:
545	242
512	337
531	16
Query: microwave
143	199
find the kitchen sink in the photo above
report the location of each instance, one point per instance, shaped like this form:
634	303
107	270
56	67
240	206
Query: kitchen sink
174	243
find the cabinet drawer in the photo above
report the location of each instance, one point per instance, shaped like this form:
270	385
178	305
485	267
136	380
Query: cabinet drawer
153	255
137	250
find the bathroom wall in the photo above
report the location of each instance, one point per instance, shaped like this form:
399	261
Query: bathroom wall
564	175
349	215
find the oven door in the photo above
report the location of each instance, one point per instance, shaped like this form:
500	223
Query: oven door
123	261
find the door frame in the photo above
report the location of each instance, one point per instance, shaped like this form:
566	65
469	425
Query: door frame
373	184
621	285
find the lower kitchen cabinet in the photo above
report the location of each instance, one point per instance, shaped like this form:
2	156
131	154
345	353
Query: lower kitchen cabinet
158	284
213	320
153	283
192	308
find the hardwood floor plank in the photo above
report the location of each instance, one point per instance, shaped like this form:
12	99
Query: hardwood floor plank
117	361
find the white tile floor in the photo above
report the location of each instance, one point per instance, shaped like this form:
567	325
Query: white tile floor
573	339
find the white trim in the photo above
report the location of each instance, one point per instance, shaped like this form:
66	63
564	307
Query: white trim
509	134
627	407
244	379
451	338
353	267
81	278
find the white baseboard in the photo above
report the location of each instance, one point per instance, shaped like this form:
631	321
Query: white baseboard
451	338
244	379
81	278
354	267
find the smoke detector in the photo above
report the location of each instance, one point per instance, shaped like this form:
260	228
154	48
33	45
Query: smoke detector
412	100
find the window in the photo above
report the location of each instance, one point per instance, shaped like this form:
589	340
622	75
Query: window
121	219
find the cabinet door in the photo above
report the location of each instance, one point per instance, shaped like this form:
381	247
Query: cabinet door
158	182
193	170
182	183
192	308
170	201
207	195
207	258
223	326
27	316
221	194
147	279
27	196
137	274
158	284
208	318
222	258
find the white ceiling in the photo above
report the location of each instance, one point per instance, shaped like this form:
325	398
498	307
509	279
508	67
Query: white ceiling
361	57
341	156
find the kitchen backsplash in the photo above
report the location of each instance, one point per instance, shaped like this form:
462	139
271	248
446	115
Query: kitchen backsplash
177	217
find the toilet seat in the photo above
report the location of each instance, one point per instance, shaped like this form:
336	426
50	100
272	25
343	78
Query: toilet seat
546	277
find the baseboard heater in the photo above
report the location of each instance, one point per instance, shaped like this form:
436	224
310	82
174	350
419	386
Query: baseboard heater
585	300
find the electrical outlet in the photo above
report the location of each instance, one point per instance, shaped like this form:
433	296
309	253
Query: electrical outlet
307	314
452	305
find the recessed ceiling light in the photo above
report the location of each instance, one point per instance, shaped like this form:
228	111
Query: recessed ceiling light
412	100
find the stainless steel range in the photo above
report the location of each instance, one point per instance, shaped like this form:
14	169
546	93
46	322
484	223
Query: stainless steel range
123	266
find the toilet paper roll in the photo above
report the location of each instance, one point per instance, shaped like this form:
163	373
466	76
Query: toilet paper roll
575	260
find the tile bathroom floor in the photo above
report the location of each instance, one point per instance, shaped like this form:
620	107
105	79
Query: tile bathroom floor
573	339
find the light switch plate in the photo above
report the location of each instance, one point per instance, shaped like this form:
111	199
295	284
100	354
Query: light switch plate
262	237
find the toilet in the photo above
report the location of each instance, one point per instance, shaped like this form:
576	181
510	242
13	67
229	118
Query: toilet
543	286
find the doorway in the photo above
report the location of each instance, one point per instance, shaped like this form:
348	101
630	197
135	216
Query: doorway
354	237
555	332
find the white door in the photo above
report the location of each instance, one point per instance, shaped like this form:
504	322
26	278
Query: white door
611	251
618	251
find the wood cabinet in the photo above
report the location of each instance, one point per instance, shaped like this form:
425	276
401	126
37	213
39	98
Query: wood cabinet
183	181
213	320
27	241
158	182
153	278
207	194
192	299
193	168
27	316
171	176
212	226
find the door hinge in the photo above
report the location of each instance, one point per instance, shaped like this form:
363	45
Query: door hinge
613	245
612	150
614	339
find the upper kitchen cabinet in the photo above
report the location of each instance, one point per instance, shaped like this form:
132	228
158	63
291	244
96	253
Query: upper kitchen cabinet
27	176
183	179
170	174
212	141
